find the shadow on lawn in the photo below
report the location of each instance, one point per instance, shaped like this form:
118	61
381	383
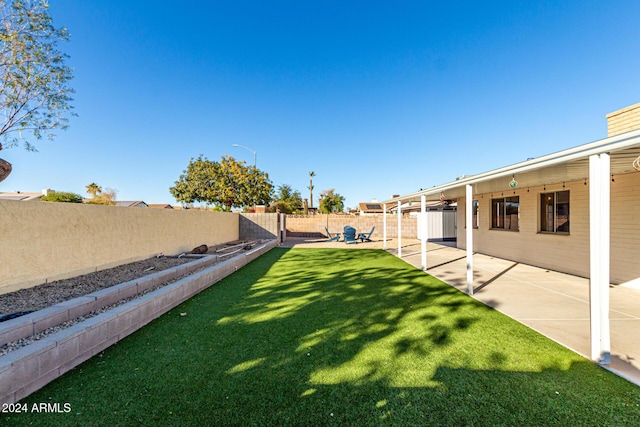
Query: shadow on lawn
361	340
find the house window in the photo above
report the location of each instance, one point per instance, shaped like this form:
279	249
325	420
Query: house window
475	213
554	212
504	213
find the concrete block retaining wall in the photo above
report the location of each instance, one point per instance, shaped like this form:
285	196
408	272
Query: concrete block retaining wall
36	322
29	368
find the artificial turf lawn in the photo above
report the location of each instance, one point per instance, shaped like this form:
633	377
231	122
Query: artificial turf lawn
336	337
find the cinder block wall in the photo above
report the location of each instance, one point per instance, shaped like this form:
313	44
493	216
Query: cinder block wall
336	223
259	226
42	241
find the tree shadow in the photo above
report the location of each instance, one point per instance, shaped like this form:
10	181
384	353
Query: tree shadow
335	336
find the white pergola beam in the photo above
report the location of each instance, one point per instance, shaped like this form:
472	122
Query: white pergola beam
424	235
399	229
469	236
599	257
384	226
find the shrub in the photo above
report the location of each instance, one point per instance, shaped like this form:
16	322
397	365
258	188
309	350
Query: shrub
62	196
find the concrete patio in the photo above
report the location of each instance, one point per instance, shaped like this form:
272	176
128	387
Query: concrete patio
552	303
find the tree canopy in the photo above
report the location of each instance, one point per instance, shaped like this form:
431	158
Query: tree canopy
34	80
62	197
287	200
223	184
331	202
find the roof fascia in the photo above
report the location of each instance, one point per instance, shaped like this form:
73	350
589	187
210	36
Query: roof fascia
607	145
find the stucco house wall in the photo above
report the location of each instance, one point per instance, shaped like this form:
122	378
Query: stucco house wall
565	253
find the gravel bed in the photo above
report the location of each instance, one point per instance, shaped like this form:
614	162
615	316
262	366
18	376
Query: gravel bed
48	294
14	345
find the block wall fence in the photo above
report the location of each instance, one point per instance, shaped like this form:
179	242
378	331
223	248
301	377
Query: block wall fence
43	241
261	226
315	224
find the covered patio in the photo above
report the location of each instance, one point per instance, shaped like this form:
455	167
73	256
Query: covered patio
601	184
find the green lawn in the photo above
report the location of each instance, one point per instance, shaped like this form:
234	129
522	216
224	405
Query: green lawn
336	337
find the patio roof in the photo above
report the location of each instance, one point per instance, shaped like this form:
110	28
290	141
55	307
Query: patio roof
563	166
596	162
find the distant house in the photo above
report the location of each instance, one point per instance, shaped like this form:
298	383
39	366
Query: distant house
25	196
160	206
370	208
131	204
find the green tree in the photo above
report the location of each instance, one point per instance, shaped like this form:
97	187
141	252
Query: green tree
62	196
224	184
331	202
260	187
34	80
287	200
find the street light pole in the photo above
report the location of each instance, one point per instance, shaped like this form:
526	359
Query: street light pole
248	149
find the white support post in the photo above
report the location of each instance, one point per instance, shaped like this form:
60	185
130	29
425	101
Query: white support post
384	226
423	230
599	232
469	237
399	229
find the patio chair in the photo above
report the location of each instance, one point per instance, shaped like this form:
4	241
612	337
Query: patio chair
349	234
335	237
366	237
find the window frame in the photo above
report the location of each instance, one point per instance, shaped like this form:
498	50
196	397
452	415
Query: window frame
475	214
543	213
502	216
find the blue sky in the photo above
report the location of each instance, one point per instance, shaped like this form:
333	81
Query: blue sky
376	97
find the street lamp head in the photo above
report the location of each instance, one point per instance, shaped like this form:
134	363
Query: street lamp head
248	149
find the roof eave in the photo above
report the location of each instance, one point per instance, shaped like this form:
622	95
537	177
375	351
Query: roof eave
606	145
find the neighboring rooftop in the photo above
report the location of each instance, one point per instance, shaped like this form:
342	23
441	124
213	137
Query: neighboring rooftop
24	195
131	203
370	207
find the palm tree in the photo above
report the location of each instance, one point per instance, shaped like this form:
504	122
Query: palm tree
310	187
94	189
